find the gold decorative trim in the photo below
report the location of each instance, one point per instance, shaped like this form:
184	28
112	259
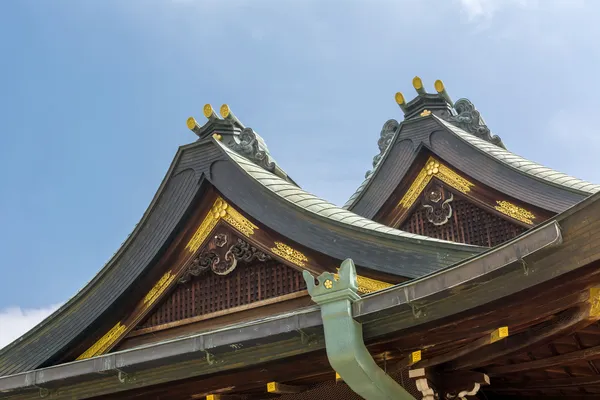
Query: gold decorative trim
104	342
516	212
160	286
292	255
433	168
499	334
594	301
425	113
220	210
368	285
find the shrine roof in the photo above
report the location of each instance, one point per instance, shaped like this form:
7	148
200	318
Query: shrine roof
457	133
315	205
522	164
261	191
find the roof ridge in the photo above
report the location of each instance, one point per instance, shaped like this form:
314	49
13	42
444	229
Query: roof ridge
321	207
522	164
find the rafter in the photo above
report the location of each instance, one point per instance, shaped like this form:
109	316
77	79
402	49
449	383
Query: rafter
494	336
591	353
566	322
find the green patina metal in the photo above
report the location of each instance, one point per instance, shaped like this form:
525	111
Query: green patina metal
346	349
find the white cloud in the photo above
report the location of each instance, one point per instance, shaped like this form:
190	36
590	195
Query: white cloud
15	321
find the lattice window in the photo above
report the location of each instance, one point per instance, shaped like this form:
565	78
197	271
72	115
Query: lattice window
210	293
467	224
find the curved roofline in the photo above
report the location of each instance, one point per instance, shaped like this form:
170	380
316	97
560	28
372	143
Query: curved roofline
521	164
362	188
552	190
324	210
104	269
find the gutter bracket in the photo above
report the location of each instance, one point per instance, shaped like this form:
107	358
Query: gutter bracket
210	359
344	341
43	391
525	266
306	338
124	377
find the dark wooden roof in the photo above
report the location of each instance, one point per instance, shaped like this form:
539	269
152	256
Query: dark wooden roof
207	162
488	163
482	290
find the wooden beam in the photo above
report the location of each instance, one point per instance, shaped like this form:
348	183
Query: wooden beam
280	388
566	322
406	361
548	384
591	353
496	335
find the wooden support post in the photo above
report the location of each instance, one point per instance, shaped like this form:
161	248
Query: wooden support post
280	388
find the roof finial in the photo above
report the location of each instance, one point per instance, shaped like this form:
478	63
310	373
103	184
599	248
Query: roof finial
226	113
400	100
418	85
193	125
209	112
439	87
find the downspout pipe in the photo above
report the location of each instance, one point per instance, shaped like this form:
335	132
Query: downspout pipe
346	348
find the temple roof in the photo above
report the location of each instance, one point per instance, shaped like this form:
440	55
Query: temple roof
269	197
458	134
315	205
524	165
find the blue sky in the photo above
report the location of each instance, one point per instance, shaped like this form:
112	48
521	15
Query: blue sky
94	97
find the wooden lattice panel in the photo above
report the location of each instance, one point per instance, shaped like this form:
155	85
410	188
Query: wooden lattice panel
468	224
211	293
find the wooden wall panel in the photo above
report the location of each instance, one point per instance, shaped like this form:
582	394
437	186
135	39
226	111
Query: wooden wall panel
211	293
468	224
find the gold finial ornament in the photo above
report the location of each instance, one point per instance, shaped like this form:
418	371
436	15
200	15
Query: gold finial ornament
439	86
418	85
209	112
400	98
441	89
225	111
191	123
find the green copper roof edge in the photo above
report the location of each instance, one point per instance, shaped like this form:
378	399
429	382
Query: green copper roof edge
344	342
